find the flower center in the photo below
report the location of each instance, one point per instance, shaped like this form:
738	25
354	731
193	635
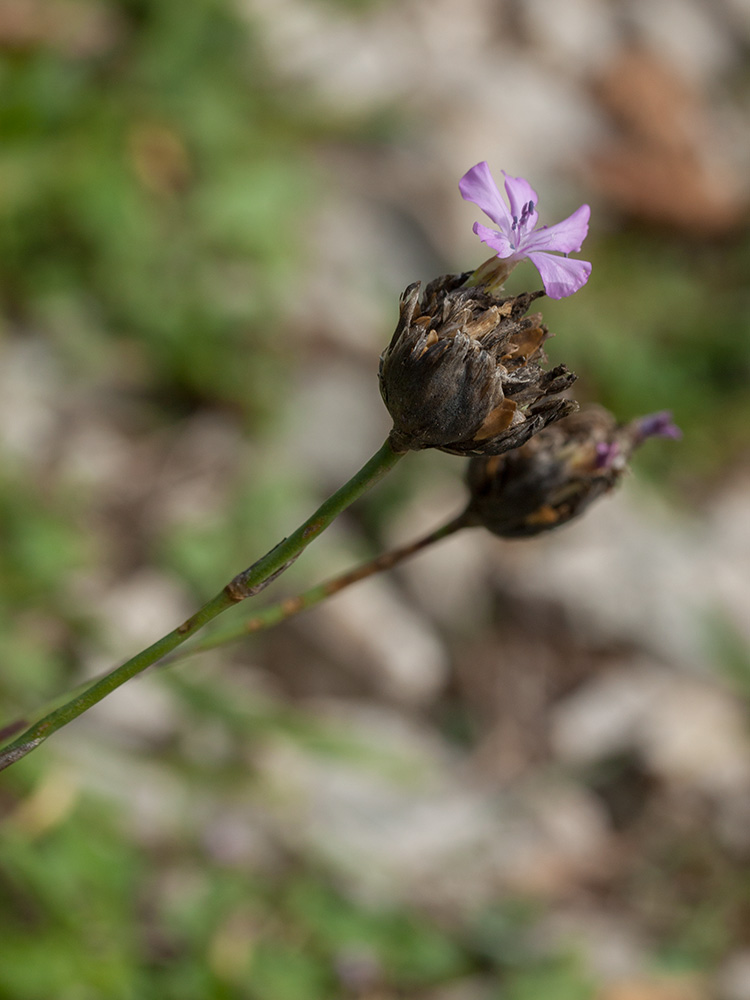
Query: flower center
519	224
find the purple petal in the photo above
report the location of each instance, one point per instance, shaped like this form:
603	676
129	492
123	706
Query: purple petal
477	185
658	425
520	193
606	454
561	276
498	241
566	236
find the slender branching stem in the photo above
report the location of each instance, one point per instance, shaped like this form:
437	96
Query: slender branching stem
277	613
246	584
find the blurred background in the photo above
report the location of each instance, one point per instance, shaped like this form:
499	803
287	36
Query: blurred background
505	770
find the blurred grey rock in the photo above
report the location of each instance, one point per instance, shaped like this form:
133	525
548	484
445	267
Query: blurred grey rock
728	547
579	36
629	571
30	393
238	836
738	16
137	714
693	36
733	977
370	631
131	615
609	944
438	839
448	579
605	716
195	471
137	610
688	731
335	420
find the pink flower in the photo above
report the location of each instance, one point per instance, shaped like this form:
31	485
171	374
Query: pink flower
517	236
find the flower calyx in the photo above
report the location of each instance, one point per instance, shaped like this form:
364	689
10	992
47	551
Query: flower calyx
463	371
559	473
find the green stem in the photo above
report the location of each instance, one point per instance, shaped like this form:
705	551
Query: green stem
277	613
246	584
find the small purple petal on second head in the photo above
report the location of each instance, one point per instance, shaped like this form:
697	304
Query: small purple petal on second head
565	237
606	453
561	276
658	425
478	185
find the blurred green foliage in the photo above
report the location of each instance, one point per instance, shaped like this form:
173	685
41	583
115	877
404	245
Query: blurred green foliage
85	914
150	185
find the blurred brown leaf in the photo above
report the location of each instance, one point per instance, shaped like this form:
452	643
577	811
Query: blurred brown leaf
665	166
160	158
74	27
674	988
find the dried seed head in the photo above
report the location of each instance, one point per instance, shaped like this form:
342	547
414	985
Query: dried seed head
558	473
463	371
